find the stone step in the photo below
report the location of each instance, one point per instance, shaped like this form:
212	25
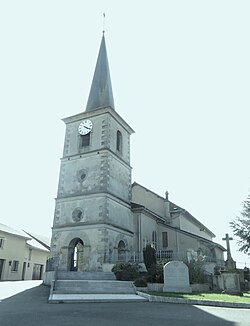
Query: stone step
64	298
93	287
61	275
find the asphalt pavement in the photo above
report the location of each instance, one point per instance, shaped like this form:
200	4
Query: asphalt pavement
31	307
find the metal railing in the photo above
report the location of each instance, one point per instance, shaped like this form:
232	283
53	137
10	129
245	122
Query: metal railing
137	257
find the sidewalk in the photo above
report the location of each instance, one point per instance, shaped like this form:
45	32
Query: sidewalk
10	288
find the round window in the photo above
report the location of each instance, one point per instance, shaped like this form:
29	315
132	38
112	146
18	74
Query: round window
81	175
77	214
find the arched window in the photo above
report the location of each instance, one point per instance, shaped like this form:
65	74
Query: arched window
154	240
121	251
119	141
75	252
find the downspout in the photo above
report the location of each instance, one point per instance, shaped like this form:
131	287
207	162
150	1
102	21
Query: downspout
139	233
177	243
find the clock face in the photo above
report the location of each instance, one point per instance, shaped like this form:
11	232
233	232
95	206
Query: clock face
85	127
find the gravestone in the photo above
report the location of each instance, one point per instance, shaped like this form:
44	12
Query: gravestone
176	277
231	283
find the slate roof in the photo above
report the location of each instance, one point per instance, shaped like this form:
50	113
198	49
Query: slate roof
177	209
35	244
30	240
9	230
42	240
101	94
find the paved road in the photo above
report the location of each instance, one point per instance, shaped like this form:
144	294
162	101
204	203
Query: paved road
31	308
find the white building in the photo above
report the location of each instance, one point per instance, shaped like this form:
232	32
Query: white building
22	257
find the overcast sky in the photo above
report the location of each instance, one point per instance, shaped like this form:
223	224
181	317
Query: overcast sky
180	73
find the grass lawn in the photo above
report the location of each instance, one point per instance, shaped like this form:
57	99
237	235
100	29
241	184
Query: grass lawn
214	296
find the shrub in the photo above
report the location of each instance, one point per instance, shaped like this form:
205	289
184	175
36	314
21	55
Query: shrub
159	277
140	282
196	272
149	256
126	271
155	274
159	270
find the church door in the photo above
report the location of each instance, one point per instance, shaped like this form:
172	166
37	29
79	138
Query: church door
76	255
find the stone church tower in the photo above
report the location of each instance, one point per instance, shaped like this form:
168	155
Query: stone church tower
93	220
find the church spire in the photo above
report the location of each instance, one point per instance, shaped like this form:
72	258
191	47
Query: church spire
101	94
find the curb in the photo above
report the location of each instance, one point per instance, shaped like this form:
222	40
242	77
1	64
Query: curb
156	298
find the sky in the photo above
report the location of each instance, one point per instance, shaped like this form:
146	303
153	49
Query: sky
180	74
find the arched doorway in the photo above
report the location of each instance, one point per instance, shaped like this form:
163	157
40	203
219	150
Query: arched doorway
121	251
75	255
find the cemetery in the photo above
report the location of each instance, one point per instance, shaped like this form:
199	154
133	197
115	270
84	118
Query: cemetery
176	279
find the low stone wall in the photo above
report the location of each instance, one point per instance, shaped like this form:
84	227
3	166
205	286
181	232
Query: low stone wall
141	288
200	287
158	287
155	287
48	277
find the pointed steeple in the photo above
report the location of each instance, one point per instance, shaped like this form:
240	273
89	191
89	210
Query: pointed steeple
101	94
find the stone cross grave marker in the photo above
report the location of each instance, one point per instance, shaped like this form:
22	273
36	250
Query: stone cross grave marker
230	263
227	239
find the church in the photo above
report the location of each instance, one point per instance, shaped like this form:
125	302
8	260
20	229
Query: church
101	217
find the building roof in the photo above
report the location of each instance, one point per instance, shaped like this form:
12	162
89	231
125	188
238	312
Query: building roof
136	207
9	230
36	245
31	240
177	209
42	240
101	94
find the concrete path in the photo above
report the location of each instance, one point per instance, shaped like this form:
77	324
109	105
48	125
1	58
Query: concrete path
10	288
